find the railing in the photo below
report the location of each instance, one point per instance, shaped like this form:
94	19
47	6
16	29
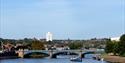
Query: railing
60	50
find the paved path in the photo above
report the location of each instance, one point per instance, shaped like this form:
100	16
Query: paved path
114	59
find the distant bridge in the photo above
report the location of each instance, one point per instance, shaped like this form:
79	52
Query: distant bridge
55	53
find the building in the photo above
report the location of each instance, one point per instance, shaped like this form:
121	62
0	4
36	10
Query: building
48	36
8	47
115	39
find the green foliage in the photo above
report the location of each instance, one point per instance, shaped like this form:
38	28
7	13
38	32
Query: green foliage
109	46
76	45
37	45
122	45
112	47
116	47
122	38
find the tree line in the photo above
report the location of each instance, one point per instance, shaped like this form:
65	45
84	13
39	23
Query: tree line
36	44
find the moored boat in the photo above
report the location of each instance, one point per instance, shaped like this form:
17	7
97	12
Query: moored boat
77	59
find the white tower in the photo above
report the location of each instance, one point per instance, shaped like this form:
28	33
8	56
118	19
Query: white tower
48	36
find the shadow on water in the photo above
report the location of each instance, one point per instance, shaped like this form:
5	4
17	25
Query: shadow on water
8	55
36	55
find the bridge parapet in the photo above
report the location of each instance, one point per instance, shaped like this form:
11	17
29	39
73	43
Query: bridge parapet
21	53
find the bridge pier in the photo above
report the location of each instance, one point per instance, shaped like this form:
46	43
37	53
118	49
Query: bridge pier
83	55
50	53
80	53
21	53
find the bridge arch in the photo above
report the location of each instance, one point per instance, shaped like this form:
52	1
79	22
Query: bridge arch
90	52
63	53
36	55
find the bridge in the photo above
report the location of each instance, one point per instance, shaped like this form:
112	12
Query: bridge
54	53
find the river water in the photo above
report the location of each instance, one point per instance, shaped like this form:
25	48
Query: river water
87	59
48	61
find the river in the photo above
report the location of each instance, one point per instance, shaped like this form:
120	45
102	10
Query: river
87	59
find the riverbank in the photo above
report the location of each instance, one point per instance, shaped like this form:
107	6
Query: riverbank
114	59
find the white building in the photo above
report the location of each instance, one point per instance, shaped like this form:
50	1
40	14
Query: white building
48	36
115	39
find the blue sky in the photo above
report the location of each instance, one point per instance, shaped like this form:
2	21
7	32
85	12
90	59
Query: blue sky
75	19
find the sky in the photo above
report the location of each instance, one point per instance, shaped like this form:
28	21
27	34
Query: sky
74	19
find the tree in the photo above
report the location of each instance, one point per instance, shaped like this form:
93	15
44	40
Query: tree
109	46
75	45
122	38
115	47
122	45
37	45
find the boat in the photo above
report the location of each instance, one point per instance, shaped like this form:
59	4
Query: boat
77	59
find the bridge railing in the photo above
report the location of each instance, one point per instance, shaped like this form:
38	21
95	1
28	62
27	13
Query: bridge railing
60	51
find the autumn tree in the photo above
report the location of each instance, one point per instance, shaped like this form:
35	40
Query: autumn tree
37	45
